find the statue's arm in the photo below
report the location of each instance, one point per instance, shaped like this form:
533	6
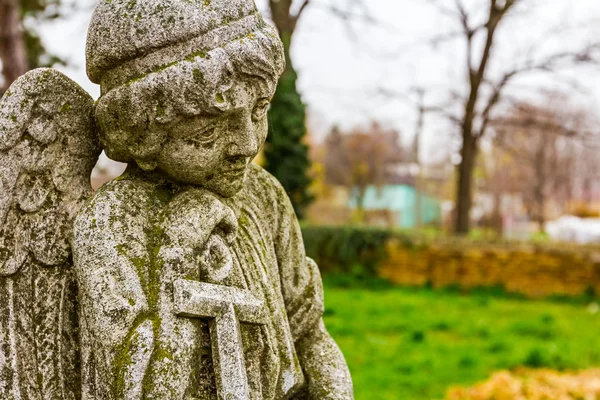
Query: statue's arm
324	366
117	334
322	361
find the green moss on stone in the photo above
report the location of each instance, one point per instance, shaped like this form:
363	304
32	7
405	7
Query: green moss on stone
198	75
193	56
160	110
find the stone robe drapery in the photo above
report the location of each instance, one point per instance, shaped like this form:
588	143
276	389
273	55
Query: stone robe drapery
127	255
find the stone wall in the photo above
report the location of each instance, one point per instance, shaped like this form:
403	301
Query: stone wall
535	271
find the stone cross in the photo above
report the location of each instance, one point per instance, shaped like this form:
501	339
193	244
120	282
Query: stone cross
225	307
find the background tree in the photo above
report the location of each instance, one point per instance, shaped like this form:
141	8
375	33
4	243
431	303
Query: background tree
362	158
485	91
21	48
545	142
286	153
12	42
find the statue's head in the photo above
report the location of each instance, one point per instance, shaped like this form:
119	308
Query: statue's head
186	85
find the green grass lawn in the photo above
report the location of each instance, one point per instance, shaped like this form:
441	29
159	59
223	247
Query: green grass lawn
414	344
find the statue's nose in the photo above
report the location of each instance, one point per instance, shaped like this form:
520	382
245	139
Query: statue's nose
244	142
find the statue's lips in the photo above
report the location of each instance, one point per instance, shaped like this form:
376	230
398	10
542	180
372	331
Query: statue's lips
234	172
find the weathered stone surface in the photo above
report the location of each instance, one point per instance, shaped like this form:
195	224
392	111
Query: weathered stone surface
192	277
125	30
225	307
47	151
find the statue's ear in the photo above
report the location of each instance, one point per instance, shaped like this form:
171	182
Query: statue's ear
147	165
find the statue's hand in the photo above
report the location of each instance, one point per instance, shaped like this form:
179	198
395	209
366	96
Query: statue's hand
198	221
216	261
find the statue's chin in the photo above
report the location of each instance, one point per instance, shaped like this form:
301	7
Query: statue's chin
226	187
223	183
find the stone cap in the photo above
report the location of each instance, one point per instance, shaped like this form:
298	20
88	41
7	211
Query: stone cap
125	30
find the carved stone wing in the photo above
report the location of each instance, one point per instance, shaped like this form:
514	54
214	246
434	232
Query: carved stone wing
48	147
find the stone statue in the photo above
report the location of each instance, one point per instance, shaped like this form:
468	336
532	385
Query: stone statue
186	277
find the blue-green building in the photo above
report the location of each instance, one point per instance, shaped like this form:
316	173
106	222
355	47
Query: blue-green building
401	200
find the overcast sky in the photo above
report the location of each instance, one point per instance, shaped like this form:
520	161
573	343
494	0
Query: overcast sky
342	68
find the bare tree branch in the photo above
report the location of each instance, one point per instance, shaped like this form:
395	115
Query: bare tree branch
586	56
442	110
543	124
296	17
302	8
348	15
493	101
449	12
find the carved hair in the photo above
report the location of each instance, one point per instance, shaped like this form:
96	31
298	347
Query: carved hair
132	116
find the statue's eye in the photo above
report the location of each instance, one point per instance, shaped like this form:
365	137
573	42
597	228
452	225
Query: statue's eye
204	135
260	110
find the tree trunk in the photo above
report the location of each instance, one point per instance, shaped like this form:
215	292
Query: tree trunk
539	190
286	38
361	192
469	149
12	42
419	177
497	220
464	189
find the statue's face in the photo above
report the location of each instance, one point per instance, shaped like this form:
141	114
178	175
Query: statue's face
214	151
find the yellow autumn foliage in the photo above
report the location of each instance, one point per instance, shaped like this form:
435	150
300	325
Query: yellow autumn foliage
525	384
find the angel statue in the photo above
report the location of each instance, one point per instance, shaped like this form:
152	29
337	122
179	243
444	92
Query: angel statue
184	278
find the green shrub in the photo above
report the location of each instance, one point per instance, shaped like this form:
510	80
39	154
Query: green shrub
350	251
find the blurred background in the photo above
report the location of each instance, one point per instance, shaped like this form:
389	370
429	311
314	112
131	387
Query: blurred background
442	156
